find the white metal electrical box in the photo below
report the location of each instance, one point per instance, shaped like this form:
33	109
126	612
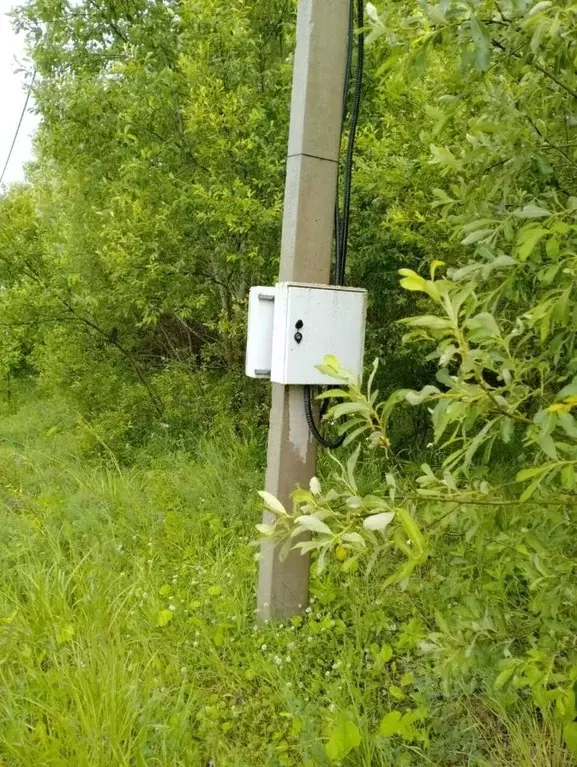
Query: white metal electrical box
261	304
311	321
293	326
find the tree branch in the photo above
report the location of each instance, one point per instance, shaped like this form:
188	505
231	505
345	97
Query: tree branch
532	63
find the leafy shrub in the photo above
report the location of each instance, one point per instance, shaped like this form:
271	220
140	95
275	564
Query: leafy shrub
481	538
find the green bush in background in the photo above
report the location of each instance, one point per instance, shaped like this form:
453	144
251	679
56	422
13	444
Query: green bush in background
441	629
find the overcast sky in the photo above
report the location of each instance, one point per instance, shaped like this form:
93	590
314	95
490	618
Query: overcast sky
12	97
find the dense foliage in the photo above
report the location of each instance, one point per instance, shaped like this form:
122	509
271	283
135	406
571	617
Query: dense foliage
128	634
484	531
153	204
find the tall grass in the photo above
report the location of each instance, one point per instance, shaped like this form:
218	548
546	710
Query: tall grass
524	737
100	572
128	633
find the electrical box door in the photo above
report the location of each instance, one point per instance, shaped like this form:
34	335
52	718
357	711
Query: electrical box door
311	321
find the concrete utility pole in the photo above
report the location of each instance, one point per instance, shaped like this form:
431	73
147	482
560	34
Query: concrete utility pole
307	233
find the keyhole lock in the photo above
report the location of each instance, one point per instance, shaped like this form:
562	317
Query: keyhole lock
298	336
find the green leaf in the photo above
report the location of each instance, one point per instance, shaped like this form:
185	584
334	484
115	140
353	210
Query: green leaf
506	427
343	738
442	198
301	496
378	521
473	226
483	325
528	492
313	524
386	653
329	371
356	433
164	617
552	249
418	397
528	238
533	471
305	546
266	530
473	237
532	210
428	321
332	393
346	408
411	529
272	503
351	466
568	477
547	445
504	677
570	735
372	375
418	61
567	391
390	724
350	565
568	424
442	155
396	692
413	281
539	8
322	560
332	362
481	39
401	543
355	538
284	550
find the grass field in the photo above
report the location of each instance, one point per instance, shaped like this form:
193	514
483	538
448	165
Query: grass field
128	632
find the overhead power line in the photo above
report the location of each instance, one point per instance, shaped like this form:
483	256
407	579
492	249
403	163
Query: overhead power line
24	108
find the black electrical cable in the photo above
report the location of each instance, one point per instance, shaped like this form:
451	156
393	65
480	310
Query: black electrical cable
344	234
309	415
342	226
348	67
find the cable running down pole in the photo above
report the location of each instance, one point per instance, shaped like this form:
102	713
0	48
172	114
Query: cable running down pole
342	223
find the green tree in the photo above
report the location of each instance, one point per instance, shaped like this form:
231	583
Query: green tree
484	531
158	185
